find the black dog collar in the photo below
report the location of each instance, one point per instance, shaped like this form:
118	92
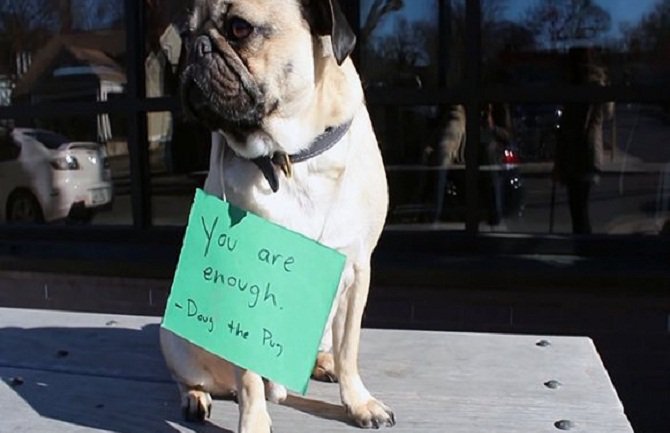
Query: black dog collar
268	164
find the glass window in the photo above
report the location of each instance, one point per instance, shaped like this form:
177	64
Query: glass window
501	186
165	21
70	50
50	140
424	152
65	170
612	177
9	151
179	160
417	44
526	41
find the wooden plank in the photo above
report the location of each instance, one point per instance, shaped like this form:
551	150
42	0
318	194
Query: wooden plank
95	373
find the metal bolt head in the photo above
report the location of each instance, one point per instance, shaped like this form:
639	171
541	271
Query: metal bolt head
553	384
16	381
564	424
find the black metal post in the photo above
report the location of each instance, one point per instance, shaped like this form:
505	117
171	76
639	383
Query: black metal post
137	120
472	83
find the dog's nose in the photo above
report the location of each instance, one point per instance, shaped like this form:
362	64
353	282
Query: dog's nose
202	46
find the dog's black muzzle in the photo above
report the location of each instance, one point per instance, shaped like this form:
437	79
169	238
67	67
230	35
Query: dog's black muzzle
218	90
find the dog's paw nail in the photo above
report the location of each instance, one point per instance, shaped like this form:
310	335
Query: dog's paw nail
372	415
322	375
324	369
197	406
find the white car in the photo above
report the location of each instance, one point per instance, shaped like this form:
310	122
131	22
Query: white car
45	176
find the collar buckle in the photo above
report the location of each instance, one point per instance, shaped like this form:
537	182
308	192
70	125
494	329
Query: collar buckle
267	164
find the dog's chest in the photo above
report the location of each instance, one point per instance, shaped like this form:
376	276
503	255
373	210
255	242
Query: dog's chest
301	204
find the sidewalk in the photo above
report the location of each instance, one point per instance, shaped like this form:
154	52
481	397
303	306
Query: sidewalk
73	372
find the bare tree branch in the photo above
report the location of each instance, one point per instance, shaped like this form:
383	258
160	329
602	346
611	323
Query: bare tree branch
558	21
378	10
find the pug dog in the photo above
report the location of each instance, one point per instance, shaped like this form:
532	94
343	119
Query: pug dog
294	144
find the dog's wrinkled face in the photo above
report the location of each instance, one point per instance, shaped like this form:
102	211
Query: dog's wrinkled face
240	64
249	61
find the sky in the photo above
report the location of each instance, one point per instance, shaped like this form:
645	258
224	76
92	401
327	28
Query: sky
414	10
621	11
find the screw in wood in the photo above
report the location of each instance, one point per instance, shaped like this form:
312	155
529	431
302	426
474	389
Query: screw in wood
564	424
553	384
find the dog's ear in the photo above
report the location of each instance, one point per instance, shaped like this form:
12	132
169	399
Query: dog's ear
327	19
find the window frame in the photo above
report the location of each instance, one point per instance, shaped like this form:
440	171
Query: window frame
24	243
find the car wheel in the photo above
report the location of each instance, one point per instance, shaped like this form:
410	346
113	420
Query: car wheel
23	207
82	217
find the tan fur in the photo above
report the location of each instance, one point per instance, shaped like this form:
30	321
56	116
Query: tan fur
338	198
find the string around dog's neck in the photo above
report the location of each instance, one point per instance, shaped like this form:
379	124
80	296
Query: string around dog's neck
269	164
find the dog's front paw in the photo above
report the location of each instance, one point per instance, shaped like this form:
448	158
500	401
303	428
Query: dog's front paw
324	368
255	422
196	405
372	414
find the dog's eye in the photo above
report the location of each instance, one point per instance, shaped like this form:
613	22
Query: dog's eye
239	29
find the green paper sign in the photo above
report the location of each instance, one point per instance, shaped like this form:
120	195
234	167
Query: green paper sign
252	292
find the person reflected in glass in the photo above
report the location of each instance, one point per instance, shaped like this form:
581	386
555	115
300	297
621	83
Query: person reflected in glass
449	149
579	153
495	136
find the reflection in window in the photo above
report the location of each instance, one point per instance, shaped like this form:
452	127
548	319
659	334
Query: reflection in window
629	193
401	43
179	160
165	21
56	170
87	15
423	148
524	41
71	50
501	186
519	188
